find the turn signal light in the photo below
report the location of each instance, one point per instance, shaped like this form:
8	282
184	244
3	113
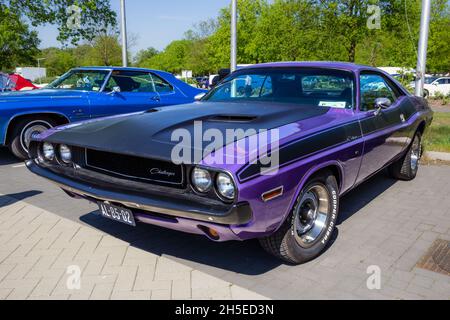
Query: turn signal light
272	194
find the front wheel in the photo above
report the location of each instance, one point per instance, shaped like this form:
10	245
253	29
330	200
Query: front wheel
24	130
309	227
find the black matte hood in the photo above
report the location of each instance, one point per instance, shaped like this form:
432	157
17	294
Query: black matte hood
149	134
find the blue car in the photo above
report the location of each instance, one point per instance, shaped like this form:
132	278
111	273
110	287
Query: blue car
86	93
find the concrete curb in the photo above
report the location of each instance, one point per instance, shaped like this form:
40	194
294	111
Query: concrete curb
437	156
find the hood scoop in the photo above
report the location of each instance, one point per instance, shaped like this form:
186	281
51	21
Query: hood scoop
232	118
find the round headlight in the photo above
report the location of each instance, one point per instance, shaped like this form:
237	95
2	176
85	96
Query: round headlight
48	151
201	180
225	186
65	153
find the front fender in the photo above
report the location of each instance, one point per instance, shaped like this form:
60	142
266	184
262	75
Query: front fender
5	120
305	178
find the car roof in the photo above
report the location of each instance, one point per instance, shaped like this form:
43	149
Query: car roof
315	64
118	69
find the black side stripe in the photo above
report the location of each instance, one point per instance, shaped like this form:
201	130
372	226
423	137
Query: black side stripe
305	147
330	138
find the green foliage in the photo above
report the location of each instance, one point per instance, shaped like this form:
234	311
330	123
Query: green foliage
172	59
95	16
336	30
57	61
18	44
104	50
276	30
144	55
437	137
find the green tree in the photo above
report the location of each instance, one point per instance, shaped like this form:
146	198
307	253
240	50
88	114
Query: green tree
287	31
105	51
76	19
18	45
218	47
336	30
144	55
58	61
172	59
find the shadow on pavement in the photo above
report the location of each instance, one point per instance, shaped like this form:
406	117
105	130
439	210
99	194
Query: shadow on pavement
9	199
6	158
242	257
362	195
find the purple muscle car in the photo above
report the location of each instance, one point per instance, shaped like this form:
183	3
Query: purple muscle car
302	135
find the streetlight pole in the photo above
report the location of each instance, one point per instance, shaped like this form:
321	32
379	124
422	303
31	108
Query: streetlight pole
124	33
423	44
39	67
233	59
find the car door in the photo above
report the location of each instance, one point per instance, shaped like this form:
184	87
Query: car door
168	93
126	92
385	131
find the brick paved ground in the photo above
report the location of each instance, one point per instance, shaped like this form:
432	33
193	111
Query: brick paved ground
40	251
384	223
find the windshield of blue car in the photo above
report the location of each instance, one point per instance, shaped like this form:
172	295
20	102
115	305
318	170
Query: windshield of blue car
85	80
305	86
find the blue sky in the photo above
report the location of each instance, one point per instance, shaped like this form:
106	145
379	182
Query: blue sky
155	23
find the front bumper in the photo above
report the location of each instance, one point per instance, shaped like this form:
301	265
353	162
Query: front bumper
237	214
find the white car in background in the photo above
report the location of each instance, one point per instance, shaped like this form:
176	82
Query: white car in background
434	85
440	85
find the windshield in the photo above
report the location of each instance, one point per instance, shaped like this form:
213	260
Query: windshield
429	80
86	80
305	86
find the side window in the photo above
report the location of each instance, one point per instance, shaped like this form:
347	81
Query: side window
266	89
129	81
161	86
442	81
374	86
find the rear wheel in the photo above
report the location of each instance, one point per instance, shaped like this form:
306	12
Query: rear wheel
309	227
406	168
24	130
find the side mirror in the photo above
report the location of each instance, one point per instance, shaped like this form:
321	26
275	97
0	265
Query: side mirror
199	96
115	89
381	104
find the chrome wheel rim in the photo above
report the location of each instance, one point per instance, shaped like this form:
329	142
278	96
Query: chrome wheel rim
415	153
311	215
35	127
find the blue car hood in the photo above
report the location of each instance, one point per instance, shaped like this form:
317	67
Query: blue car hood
40	94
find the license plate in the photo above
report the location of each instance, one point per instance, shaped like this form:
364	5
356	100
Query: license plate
115	213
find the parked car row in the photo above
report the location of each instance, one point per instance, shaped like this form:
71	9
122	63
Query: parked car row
15	82
83	94
336	125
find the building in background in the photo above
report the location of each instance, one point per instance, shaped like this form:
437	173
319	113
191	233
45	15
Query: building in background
32	73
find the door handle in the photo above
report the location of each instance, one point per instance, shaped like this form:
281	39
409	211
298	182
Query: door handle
78	111
402	117
156	98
